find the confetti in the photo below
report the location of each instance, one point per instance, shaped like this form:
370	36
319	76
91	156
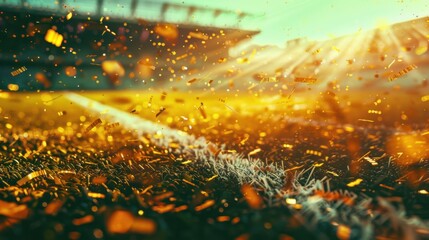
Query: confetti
192	80
93	124
374	112
343	232
113	125
305	80
365	120
53	207
205	205
223	218
199	35
13	87
83	220
188	182
96	195
254	152
69	16
53	37
161	110
107	29
182	56
163	96
313	152
391	63
18	71
423	191
168	31
290	201
32	176
354	183
402	72
251	196
202	111
425	98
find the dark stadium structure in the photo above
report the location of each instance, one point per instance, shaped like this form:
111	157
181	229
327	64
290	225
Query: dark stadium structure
133	41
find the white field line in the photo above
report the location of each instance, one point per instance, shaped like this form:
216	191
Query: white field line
225	165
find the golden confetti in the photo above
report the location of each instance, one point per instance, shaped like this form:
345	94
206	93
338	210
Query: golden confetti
251	196
188	182
391	63
290	201
223	218
94	124
254	152
425	98
305	80
110	126
53	207
168	31
18	71
69	16
198	35
32	176
163	208
96	195
53	37
343	232
421	50
313	152
211	178
13	87
354	183
161	110
387	187
374	112
423	191
202	111
192	80
109	31
365	120
83	220
205	205
402	72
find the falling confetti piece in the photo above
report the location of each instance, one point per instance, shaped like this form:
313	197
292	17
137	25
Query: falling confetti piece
69	16
192	80
93	124
199	35
18	71
251	196
202	111
161	110
254	152
421	50
53	37
354	183
425	98
205	205
32	176
423	191
305	80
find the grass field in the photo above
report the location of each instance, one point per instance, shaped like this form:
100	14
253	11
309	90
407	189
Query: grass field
212	166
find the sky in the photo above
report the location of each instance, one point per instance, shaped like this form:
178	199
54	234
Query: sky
282	20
